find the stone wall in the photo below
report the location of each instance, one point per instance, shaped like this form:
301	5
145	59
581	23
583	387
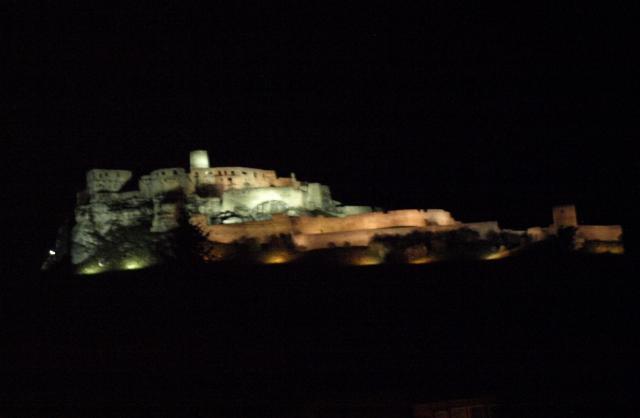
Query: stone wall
353	210
229	178
439	217
238	177
262	231
165	180
204	180
241	200
360	238
373	220
285	182
96	221
113	197
599	232
99	180
321	232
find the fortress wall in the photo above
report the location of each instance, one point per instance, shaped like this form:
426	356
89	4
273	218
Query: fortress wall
238	177
228	233
283	224
360	238
354	210
99	180
202	176
167	180
599	232
285	182
111	197
439	217
250	198
205	180
373	220
441	228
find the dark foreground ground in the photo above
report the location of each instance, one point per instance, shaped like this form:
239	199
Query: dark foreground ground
544	335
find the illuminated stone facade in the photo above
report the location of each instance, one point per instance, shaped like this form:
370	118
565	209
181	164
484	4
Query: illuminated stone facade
565	216
233	204
317	232
168	196
106	180
596	239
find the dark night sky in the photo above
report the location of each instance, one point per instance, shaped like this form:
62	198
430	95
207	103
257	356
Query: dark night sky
489	113
493	113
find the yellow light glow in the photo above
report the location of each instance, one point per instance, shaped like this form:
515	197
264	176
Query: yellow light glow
606	249
421	260
91	269
133	264
364	260
277	257
498	255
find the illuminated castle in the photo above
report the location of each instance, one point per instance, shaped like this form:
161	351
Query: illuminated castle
224	194
118	229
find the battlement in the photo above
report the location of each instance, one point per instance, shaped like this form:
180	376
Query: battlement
101	180
209	181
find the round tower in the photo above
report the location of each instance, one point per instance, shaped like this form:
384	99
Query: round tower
199	159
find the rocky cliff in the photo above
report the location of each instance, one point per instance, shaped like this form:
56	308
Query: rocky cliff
116	231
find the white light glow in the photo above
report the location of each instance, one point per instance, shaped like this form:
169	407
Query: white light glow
51	252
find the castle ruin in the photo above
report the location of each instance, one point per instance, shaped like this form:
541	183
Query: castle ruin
231	204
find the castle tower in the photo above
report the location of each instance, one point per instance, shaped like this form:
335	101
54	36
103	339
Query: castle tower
565	216
199	159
